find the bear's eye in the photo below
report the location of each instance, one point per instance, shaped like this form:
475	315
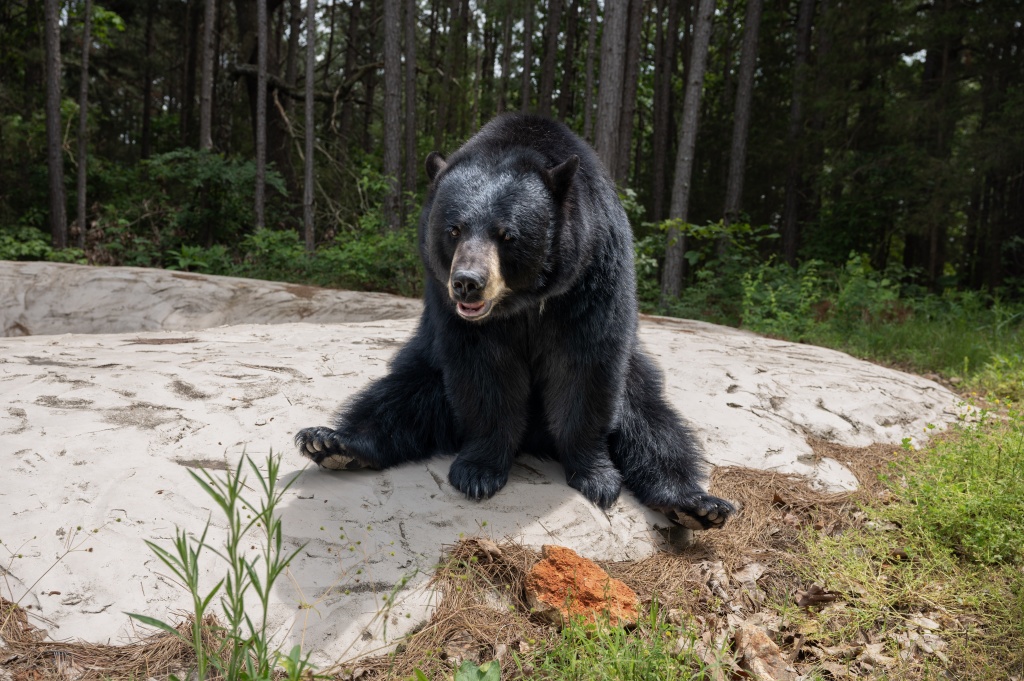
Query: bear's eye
454	232
504	235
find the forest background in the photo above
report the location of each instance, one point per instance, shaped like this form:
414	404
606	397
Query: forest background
821	170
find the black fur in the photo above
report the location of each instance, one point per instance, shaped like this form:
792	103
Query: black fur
552	366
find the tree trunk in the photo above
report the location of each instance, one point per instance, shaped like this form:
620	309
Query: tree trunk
506	61
664	73
547	74
672	273
291	57
572	25
791	208
54	129
206	97
411	157
146	143
329	56
631	80
188	102
588	103
351	55
307	185
262	36
609	93
83	124
741	119
524	99
392	130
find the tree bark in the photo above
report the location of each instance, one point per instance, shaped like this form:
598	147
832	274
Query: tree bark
147	85
741	119
588	103
83	124
291	57
631	80
664	73
672	273
54	142
392	110
206	97
572	25
262	36
794	137
524	99
307	185
506	61
411	157
351	57
610	82
188	102
547	74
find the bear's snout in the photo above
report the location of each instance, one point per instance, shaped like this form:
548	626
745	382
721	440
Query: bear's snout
467	285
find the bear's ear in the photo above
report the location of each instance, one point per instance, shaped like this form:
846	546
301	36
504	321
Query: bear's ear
435	164
560	177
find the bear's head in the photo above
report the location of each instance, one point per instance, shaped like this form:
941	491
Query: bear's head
489	230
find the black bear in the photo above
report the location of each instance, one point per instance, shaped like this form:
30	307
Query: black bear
528	338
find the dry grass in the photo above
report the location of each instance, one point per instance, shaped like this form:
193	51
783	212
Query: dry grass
29	655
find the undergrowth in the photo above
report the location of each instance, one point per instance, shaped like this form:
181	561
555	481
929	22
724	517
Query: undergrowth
946	543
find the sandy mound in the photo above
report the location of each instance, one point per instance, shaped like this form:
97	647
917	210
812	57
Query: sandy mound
98	432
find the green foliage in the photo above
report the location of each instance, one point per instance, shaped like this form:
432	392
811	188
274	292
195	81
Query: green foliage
242	648
947	537
779	300
601	652
28	243
470	671
969	494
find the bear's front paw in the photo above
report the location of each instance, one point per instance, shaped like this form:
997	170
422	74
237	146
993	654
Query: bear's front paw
700	511
325	448
600	485
474	480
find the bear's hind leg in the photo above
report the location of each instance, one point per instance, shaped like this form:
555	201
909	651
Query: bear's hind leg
401	417
659	458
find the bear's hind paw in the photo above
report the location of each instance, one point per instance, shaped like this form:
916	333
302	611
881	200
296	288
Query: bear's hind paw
601	486
699	512
324	447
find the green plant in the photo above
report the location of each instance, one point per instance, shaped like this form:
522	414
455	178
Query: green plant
970	494
470	671
242	649
654	650
25	242
779	300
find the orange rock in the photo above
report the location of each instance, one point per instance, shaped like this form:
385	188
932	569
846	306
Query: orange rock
564	585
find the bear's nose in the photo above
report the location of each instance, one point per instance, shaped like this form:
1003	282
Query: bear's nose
466	283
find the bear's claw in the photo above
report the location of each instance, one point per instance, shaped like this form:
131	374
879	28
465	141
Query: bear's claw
475	481
325	448
699	512
601	486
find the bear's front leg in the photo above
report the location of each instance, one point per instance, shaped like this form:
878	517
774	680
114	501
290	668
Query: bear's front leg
488	394
579	403
400	417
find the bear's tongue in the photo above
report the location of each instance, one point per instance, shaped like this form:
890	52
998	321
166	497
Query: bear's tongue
471	309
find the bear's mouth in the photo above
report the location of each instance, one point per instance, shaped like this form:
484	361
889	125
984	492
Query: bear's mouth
474	311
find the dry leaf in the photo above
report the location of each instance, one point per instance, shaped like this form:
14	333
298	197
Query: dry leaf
760	656
814	595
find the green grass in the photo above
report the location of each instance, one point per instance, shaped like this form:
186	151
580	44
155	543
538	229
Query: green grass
948	543
655	650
